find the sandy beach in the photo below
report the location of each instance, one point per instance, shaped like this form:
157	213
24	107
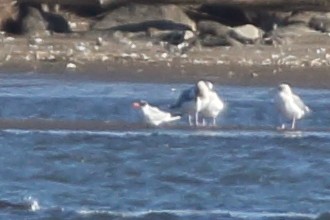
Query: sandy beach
299	65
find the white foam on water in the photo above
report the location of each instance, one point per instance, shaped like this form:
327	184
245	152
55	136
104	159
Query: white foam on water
190	212
34	204
79	132
182	133
147	133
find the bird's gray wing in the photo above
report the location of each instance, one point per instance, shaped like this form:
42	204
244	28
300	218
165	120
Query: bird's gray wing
297	100
186	96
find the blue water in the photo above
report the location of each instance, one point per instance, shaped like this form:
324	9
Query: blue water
74	149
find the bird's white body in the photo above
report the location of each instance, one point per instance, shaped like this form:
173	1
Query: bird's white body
203	96
155	117
290	105
214	106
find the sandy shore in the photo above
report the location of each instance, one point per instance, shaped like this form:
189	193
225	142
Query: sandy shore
299	65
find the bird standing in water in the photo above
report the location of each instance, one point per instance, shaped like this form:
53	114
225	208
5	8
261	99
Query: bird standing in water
290	105
191	101
214	106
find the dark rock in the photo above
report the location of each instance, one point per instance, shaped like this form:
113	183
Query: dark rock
8	17
294	30
295	34
56	23
212	28
266	20
83	10
235	16
320	23
246	34
33	22
230	16
211	41
134	18
212	33
300	17
173	37
166	23
144	26
10	26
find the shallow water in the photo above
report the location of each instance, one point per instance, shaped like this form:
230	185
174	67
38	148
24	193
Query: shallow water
74	149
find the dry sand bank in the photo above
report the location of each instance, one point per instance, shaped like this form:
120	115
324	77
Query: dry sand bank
300	65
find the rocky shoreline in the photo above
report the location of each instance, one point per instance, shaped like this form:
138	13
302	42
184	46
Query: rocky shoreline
169	43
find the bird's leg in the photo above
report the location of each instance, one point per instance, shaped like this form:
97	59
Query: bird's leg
280	120
190	120
204	122
214	122
293	123
196	119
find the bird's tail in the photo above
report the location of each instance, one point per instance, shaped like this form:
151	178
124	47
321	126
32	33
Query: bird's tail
174	118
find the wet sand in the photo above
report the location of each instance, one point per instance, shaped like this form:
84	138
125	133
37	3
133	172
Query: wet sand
39	124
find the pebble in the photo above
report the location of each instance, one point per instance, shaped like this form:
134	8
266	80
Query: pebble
71	66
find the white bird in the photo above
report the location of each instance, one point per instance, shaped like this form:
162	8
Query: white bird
192	100
214	106
153	115
290	105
